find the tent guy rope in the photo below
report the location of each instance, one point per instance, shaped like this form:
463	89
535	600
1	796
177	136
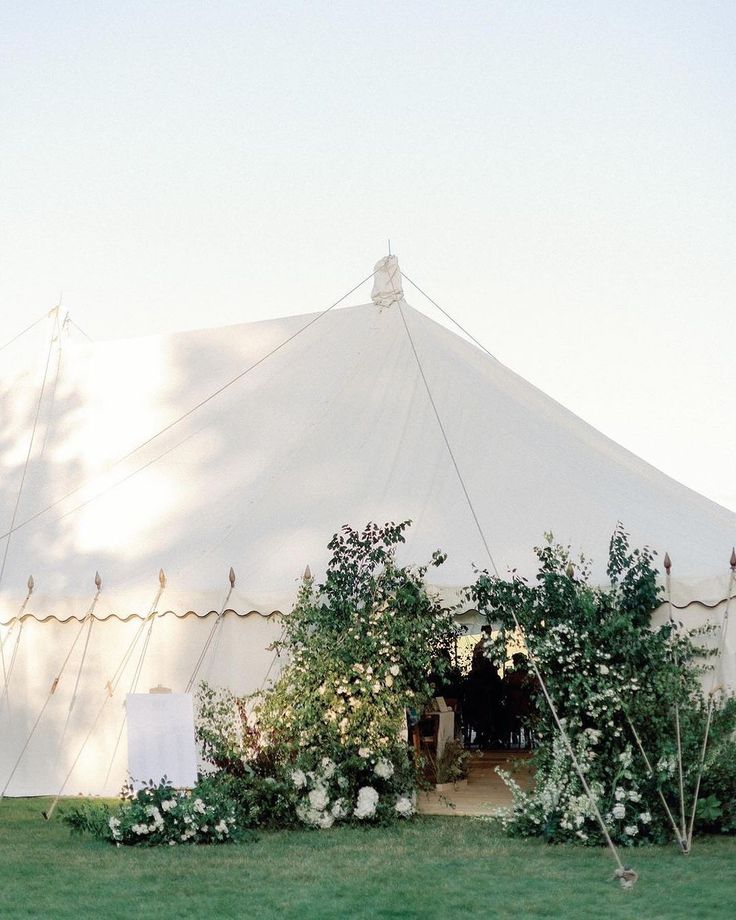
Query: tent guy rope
624	873
174	422
110	689
215	627
678	733
17	620
153	614
711	695
7	537
54	684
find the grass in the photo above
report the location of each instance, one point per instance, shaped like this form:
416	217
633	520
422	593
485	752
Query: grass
429	868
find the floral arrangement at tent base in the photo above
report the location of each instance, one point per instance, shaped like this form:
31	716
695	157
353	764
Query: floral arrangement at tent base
158	814
613	678
361	647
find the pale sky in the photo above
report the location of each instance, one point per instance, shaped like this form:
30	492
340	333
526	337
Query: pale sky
559	176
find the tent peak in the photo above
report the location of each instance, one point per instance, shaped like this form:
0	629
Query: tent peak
387	282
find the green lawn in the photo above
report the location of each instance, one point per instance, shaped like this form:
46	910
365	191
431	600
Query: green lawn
428	868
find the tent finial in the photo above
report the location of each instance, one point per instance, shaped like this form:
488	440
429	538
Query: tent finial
231	576
733	558
667	563
307	574
387	288
162	578
98	581
31	585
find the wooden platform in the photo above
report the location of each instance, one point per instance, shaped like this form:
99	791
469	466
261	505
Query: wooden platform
485	792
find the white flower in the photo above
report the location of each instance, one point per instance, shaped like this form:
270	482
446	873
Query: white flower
620	794
168	804
318	798
367	802
619	811
404	806
384	768
339	809
603	669
634	796
199	806
377	687
222	828
328	767
645	817
389	681
364	752
394	669
114	825
298	778
632	830
321	819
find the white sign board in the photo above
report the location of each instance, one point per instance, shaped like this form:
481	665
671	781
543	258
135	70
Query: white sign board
161	739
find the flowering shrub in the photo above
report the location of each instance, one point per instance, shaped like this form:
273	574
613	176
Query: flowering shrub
361	648
357	786
158	814
612	677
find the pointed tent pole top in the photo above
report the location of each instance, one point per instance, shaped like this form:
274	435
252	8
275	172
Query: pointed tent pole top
98	581
667	563
162	578
307	574
231	576
31	585
733	558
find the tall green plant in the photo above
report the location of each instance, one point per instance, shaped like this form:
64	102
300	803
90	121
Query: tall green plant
610	674
361	647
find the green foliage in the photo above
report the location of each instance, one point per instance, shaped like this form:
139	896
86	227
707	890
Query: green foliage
226	740
610	673
361	648
158	814
452	764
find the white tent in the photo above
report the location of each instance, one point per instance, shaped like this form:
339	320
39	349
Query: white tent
373	412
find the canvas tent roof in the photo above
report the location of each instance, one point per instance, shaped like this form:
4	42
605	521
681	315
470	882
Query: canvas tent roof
334	427
328	420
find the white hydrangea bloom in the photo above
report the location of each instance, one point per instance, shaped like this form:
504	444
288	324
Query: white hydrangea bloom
367	802
404	806
619	811
394	669
328	767
645	817
620	794
364	752
384	768
318	799
632	830
298	778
